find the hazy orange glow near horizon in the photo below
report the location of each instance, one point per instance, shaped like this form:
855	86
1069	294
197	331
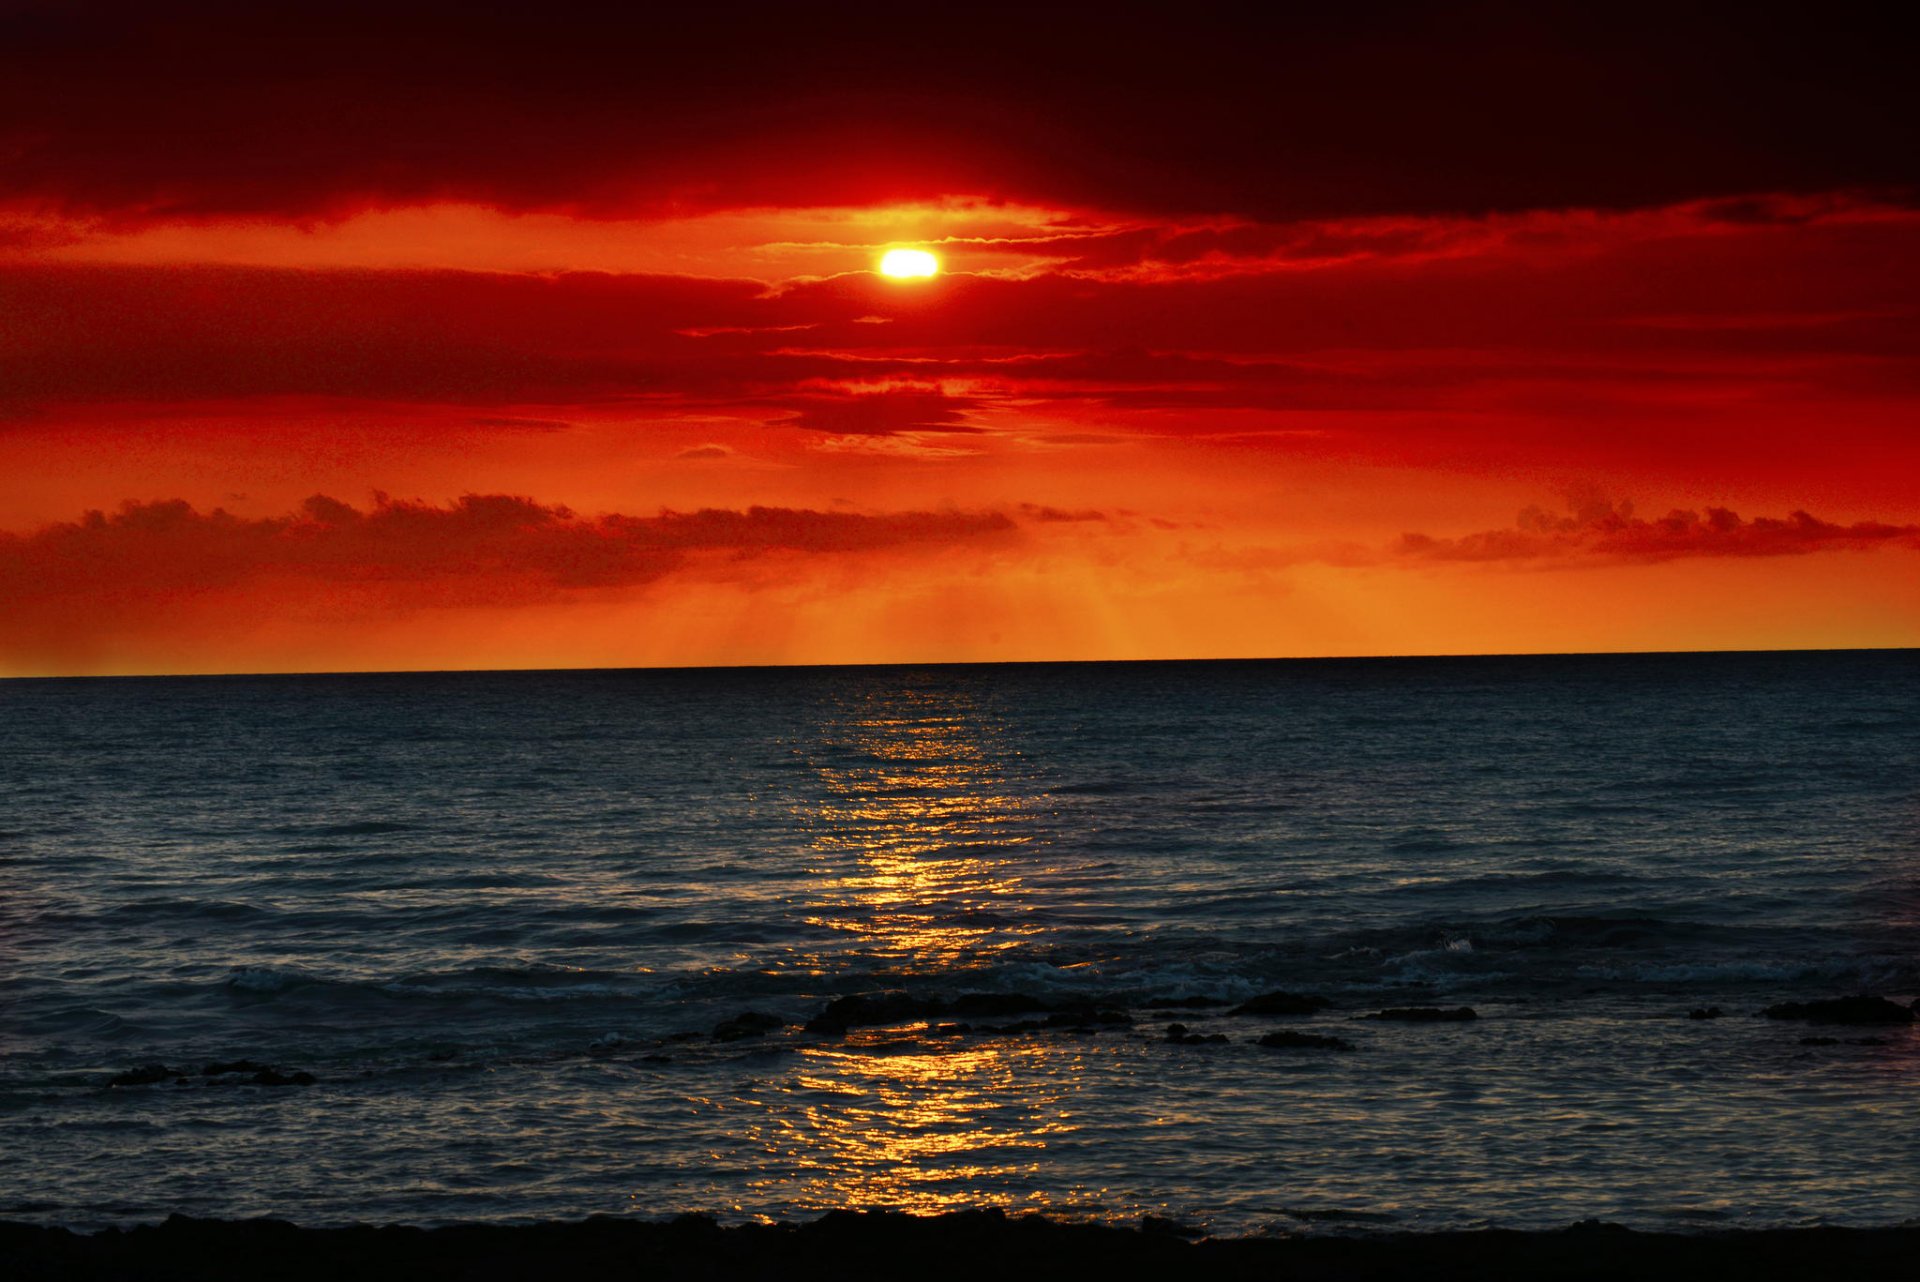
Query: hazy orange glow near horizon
356	428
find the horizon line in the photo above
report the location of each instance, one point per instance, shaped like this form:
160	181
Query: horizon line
955	663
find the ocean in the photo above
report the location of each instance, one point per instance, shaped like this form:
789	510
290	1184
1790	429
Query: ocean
508	925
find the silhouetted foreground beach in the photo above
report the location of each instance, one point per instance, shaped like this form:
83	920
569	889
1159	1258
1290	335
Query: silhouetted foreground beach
977	1244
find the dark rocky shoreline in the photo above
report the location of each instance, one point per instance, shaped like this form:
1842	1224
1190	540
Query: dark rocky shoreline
849	1245
992	1014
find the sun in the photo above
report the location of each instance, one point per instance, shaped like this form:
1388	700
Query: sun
908	264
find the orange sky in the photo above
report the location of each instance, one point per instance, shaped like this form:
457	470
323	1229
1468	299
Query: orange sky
324	418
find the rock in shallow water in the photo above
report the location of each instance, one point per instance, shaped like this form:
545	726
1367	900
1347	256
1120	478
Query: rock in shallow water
145	1075
978	1005
864	1009
1076	1019
256	1074
749	1023
269	1077
1426	1014
1851	1041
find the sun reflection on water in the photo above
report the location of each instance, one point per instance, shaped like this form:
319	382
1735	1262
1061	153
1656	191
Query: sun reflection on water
924	829
908	1126
920	833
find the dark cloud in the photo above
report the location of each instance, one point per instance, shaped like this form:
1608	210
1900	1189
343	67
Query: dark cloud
1055	515
512	544
1274	111
1672	294
1242	244
885	412
80	592
1596	529
160	333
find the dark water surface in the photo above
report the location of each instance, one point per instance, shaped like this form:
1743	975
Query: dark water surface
436	893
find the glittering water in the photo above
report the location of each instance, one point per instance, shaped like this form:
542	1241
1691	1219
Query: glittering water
480	907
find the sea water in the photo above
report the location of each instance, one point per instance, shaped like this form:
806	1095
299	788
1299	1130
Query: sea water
497	916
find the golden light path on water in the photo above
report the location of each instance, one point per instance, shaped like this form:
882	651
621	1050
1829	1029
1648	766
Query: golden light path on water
919	834
916	1130
922	836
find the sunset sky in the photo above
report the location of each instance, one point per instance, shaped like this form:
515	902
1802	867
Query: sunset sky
383	337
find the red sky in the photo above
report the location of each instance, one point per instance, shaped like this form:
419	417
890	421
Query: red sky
414	338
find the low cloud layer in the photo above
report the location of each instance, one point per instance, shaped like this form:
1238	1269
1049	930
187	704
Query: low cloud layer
1598	529
492	547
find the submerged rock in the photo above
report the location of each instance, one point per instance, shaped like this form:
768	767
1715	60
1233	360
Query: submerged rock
1074	1019
1426	1014
1851	1041
268	1077
1182	1003
145	1075
256	1074
1088	1016
864	1009
987	1005
1705	1012
1861	1009
1180	1036
1288	1040
1282	1003
749	1023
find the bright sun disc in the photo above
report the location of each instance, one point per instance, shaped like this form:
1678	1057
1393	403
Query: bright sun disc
906	263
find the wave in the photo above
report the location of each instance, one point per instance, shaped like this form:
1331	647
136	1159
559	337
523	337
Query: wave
353	828
497	984
1542	932
1863	974
143	910
716	960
